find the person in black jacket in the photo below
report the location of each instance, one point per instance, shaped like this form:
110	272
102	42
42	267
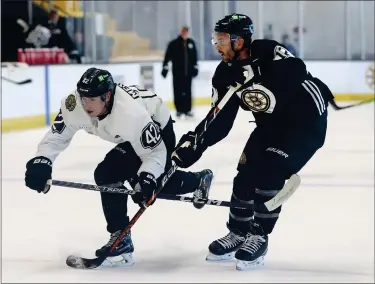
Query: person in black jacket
182	52
60	36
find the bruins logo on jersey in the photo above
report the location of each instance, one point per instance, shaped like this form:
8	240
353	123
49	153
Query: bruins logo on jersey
70	102
256	100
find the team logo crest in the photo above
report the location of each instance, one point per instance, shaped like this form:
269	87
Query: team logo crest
70	102
370	76
256	100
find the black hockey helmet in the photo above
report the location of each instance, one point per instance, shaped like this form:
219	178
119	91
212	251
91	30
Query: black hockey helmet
95	83
236	25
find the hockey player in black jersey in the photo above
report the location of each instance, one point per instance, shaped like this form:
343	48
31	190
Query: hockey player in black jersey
290	109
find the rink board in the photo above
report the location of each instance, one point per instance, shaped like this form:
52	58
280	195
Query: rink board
34	104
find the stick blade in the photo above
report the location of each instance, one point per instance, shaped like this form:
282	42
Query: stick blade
83	263
27	81
287	191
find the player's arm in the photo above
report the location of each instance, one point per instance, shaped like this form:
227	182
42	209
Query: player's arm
222	124
189	149
146	140
56	140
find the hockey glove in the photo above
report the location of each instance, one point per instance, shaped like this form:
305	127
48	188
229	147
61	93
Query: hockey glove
188	151
38	172
147	184
195	71
164	72
237	76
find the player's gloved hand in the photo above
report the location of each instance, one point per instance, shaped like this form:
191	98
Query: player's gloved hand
237	75
38	172
148	185
164	72
188	150
195	71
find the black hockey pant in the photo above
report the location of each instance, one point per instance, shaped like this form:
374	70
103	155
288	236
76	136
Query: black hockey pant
263	169
182	93
122	164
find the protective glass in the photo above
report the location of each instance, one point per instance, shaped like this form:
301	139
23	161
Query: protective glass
220	38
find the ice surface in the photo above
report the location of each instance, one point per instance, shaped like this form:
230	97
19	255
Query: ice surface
325	232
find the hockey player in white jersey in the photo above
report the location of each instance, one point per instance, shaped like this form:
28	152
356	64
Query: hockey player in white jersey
140	124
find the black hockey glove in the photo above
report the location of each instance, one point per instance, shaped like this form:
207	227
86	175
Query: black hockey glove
195	71
164	72
236	76
38	172
187	152
148	184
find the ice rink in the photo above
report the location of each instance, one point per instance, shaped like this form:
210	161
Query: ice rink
324	234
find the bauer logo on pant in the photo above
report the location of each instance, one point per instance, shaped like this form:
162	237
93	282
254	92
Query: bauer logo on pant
70	103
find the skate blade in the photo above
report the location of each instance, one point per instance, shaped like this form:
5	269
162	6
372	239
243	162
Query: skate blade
247	265
123	260
224	257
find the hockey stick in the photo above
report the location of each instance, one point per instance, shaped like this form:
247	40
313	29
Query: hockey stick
285	193
289	188
336	107
112	188
85	263
17	82
11	66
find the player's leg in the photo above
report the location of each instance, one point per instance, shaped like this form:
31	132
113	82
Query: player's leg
225	248
278	161
266	180
239	219
183	182
120	164
262	172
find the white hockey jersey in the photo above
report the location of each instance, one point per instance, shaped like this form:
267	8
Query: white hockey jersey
137	116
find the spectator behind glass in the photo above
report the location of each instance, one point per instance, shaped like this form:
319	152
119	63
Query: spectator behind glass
60	36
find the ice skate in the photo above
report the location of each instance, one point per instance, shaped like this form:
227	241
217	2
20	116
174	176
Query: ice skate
226	247
122	255
203	189
252	252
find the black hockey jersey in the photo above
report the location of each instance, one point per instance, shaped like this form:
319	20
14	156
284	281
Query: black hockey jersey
284	98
